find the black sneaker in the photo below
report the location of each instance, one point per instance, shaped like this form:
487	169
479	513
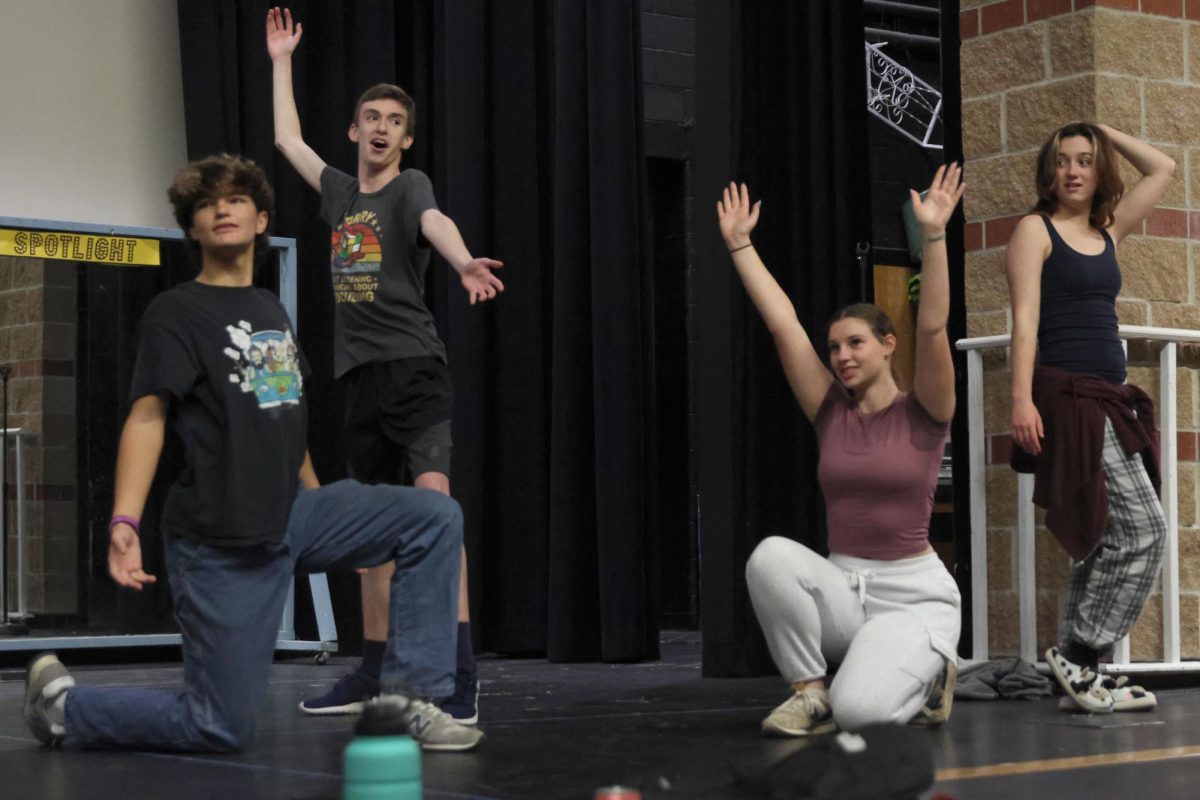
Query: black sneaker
45	680
346	697
463	705
434	729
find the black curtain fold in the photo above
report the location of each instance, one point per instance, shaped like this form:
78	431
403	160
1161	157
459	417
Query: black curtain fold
528	123
798	138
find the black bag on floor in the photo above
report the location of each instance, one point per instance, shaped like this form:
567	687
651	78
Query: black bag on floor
880	762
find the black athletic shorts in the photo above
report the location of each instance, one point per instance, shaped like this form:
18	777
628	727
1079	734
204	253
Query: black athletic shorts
398	419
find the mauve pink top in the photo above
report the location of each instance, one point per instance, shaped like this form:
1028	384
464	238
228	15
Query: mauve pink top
878	473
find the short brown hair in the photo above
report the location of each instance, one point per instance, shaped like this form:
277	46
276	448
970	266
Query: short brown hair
389	91
1109	186
216	175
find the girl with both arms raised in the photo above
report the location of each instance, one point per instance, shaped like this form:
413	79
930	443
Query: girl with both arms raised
882	603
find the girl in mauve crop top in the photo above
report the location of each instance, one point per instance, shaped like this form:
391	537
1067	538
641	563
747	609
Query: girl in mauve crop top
880	447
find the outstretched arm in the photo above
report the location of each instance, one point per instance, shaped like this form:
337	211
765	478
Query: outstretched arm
805	372
476	273
137	459
1157	169
933	382
1027	250
282	39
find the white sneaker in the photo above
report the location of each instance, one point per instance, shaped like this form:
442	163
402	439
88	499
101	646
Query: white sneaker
1082	685
1126	696
805	713
433	728
46	681
940	700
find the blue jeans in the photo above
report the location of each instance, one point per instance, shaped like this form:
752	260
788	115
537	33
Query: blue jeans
229	602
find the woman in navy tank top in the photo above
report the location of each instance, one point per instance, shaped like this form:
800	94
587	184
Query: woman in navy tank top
1068	375
882	604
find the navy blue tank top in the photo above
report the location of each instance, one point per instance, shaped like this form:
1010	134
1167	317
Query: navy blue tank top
1077	327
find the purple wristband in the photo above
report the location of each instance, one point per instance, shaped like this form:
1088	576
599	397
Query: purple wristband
130	521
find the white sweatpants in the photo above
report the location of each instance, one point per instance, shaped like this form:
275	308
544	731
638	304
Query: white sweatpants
891	624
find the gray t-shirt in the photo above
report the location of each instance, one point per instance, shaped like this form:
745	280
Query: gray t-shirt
378	262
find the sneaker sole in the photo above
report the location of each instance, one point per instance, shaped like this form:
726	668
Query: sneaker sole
1148	703
1066	687
770	729
332	711
442	747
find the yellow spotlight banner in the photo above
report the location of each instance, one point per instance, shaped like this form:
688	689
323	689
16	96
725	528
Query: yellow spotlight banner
64	246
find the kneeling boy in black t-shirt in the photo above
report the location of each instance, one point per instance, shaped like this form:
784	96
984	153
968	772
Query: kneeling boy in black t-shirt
218	359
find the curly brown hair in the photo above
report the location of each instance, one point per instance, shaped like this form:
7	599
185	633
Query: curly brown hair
1109	186
216	175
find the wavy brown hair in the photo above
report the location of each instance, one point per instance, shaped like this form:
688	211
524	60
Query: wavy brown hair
216	175
1109	186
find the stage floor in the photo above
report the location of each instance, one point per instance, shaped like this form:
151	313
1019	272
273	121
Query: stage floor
561	730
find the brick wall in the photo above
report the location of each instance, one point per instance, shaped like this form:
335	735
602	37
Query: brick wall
37	339
1028	67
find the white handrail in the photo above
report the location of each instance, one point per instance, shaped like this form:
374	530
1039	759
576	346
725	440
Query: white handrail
1026	561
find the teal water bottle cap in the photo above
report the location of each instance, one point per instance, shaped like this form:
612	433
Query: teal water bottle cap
383	759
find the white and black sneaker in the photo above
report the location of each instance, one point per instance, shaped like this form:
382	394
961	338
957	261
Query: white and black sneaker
434	729
1126	696
47	682
1083	685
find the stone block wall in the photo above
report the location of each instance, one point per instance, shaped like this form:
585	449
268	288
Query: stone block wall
37	340
1029	67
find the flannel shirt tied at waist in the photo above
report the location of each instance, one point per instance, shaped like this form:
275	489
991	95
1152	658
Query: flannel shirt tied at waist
1069	474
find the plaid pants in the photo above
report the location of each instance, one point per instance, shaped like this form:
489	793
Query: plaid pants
1109	588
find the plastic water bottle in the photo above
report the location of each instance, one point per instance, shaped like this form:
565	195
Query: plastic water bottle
379	767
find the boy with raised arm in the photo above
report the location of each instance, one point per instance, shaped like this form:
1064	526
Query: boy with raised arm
236	525
386	349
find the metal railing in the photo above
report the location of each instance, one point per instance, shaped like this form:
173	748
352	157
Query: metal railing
1026	563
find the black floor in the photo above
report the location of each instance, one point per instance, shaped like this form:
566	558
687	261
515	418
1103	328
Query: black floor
560	731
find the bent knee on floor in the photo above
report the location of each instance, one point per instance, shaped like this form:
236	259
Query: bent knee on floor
225	736
853	712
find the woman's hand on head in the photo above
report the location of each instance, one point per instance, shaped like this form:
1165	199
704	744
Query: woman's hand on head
943	195
736	216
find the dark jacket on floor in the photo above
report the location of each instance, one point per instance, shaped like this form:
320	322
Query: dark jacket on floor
1068	474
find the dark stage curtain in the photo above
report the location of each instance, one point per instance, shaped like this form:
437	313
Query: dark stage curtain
528	123
797	101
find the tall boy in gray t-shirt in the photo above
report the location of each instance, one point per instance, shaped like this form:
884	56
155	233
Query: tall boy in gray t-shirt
386	349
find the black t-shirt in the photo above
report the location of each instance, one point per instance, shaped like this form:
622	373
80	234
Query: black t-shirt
228	362
378	262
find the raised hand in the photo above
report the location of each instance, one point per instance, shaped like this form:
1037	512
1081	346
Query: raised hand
282	38
479	280
947	188
125	559
736	216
